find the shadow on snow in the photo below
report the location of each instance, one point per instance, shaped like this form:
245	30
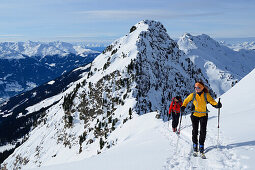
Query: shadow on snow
231	146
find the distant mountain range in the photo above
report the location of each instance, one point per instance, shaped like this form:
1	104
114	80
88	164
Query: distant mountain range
25	65
240	46
19	50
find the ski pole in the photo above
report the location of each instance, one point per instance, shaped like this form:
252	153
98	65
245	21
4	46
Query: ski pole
218	124
168	120
180	123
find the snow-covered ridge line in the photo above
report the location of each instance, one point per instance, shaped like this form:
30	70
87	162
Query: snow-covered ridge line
222	66
240	46
19	50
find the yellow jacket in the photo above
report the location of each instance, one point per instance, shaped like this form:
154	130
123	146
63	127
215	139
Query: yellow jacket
199	103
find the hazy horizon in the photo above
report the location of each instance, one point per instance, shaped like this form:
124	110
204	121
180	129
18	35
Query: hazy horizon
106	43
105	21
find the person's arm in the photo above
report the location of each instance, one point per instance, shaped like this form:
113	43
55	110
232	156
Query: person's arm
213	102
186	101
171	107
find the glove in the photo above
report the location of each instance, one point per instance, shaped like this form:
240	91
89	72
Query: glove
169	115
219	105
183	108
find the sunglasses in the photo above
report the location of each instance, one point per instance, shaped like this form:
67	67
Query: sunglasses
197	88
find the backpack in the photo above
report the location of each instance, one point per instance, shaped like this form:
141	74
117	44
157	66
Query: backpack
177	104
177	97
194	98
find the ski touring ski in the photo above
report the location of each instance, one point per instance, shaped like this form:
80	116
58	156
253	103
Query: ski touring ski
195	154
178	132
202	155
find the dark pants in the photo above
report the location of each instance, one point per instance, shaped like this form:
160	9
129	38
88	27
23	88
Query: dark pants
203	123
175	119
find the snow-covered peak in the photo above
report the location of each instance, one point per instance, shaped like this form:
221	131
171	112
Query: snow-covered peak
152	24
120	53
116	50
222	65
18	50
188	42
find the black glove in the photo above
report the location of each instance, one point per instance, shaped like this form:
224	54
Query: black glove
219	105
183	108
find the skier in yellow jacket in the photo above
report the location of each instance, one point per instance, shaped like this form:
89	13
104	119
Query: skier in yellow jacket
199	113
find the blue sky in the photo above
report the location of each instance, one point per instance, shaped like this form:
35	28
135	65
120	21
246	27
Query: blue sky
107	20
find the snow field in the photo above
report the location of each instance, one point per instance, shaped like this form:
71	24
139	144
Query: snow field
148	143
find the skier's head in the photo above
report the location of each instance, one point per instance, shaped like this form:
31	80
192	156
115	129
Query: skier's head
178	98
199	87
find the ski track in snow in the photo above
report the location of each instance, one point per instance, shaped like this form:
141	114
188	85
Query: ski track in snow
180	150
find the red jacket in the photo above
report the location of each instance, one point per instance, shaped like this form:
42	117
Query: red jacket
175	106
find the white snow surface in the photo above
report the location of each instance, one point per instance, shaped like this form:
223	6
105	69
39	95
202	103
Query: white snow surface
148	143
6	147
51	82
14	86
118	63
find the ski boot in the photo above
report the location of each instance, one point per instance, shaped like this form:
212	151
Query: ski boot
201	150
195	150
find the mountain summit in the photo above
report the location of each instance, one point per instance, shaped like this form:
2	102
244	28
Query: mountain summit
136	74
222	66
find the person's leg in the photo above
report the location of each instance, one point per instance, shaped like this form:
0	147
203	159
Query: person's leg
203	125
174	119
195	122
177	120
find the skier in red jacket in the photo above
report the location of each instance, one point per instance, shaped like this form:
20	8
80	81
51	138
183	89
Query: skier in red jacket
174	109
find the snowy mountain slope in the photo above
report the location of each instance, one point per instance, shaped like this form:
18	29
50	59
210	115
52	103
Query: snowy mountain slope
148	143
18	115
141	146
20	75
136	74
238	119
222	66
